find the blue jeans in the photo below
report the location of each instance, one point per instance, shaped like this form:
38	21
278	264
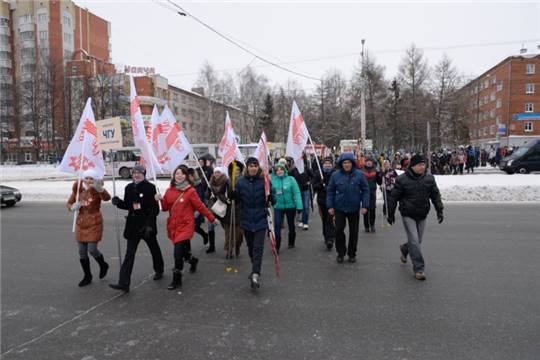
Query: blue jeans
306	199
278	221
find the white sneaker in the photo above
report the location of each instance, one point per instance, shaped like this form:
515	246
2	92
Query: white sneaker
255	282
306	226
300	225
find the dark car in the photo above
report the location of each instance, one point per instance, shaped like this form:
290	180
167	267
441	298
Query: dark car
10	196
523	160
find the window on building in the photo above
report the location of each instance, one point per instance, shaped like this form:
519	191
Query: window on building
486	84
42	35
67	20
499	86
498	119
28	157
42	18
528	126
492	97
492	113
493	80
499	103
529	107
25	19
492	130
67	54
27	35
4	55
531	68
4	22
67	38
529	88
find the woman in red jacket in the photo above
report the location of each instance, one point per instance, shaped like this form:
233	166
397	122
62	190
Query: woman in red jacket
181	201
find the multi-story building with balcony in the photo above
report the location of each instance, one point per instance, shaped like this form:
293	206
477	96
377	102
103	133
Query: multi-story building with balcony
503	104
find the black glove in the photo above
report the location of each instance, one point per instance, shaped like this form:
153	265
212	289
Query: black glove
391	219
232	195
298	212
148	232
440	217
115	200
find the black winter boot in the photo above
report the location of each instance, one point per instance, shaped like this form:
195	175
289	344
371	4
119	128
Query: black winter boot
176	281
212	241
87	279
193	264
103	266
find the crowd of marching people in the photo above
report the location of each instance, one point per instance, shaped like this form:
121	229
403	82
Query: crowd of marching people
234	197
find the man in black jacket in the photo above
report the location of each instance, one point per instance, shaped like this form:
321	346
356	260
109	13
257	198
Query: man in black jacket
139	200
319	186
413	190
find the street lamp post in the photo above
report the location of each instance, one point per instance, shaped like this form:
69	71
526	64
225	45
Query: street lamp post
362	102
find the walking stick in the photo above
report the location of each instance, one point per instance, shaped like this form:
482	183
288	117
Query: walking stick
116	212
272	236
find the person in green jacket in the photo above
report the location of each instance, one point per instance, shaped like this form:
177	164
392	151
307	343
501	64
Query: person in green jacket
288	199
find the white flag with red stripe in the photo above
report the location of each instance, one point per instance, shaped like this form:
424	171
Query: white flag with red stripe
84	152
170	142
228	147
297	138
150	131
148	158
262	153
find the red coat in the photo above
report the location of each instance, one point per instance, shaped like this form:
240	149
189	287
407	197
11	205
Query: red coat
181	221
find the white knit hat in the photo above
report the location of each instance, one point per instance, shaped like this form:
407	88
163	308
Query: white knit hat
91	173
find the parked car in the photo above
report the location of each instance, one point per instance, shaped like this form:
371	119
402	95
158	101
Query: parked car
523	160
10	196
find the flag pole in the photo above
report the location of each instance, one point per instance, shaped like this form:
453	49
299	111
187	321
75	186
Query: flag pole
116	211
316	160
81	161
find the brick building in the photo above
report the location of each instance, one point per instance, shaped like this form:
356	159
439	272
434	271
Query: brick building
37	40
503	104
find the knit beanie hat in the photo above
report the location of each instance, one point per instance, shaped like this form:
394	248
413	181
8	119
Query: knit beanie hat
417	159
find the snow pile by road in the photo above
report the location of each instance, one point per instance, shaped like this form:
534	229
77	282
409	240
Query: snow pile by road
34	186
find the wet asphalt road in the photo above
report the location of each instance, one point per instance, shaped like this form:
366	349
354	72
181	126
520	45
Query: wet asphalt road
481	299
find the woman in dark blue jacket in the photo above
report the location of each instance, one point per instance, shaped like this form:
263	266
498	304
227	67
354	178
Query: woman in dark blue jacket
251	198
347	191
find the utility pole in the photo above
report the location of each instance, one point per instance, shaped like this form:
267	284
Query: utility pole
362	103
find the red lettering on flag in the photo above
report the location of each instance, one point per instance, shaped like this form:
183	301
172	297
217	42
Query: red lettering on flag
298	134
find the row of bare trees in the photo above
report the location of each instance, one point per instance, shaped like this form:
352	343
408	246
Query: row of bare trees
398	108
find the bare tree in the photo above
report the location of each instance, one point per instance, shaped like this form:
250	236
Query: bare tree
413	73
253	88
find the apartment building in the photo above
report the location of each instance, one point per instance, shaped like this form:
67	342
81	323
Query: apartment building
503	104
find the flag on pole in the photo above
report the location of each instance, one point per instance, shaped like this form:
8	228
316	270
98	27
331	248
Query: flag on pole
171	144
297	138
148	158
262	153
228	147
84	152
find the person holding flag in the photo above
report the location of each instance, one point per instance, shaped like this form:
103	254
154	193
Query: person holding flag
319	185
143	210
84	158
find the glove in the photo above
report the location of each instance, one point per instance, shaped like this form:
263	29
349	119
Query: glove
115	200
298	212
148	232
440	217
391	219
98	185
232	195
75	206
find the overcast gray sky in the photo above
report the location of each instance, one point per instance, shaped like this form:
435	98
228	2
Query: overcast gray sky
147	34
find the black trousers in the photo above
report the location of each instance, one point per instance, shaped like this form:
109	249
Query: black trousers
328	229
182	251
129	259
369	217
341	220
255	243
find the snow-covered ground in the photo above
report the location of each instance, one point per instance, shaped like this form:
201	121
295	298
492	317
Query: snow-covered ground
46	183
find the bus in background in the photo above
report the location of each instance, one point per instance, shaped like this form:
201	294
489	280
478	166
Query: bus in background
124	160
